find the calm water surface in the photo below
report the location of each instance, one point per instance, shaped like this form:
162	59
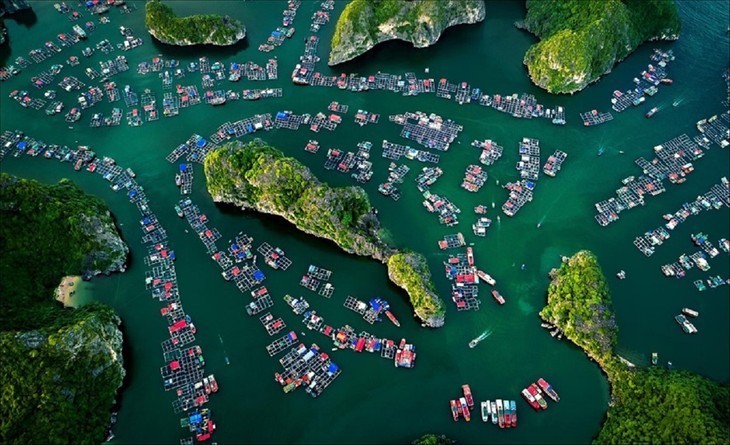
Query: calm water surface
372	401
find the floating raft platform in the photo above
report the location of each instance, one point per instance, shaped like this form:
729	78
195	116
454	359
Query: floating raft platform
474	178
554	163
282	343
298	305
431	131
274	256
491	151
309	282
394	152
337	107
319	273
452	241
273	326
594	117
309	368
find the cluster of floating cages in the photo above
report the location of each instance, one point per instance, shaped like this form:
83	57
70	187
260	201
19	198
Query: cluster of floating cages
646	84
184	364
313	278
491	151
431	130
395	151
673	161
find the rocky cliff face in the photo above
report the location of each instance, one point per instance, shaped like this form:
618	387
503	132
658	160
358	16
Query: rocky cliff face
361	243
409	271
165	26
581	40
258	177
61	380
111	252
212	38
365	23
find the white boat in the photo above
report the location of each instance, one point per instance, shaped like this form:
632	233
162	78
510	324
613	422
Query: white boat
690	312
485	411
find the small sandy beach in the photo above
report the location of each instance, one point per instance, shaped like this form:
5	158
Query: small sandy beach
66	290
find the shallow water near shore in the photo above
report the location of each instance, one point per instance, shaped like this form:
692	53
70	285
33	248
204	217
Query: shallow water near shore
372	401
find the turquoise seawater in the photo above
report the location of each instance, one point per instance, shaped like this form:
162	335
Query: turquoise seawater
372	401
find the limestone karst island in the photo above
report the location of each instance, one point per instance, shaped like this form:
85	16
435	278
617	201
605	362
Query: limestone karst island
365	221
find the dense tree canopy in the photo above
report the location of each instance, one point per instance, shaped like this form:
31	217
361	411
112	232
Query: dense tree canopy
195	29
650	405
60	368
44	235
580	40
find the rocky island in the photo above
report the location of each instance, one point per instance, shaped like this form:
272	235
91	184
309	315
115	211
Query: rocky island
259	177
61	367
409	271
165	26
579	303
581	40
365	23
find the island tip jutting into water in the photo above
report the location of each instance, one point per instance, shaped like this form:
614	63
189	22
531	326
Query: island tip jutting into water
165	26
61	367
151	155
259	177
651	405
365	23
581	40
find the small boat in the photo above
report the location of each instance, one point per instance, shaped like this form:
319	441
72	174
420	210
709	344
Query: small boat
530	399
494	412
600	151
548	389
477	340
513	409
507	414
497	296
454	410
179	211
500	413
651	112
392	318
464	409
486	277
485	411
690	312
178	180
467	395
654	358
621	274
535	391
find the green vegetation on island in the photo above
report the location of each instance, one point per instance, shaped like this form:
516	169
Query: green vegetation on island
433	439
581	40
165	26
47	232
365	23
648	405
60	381
259	177
410	271
60	367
